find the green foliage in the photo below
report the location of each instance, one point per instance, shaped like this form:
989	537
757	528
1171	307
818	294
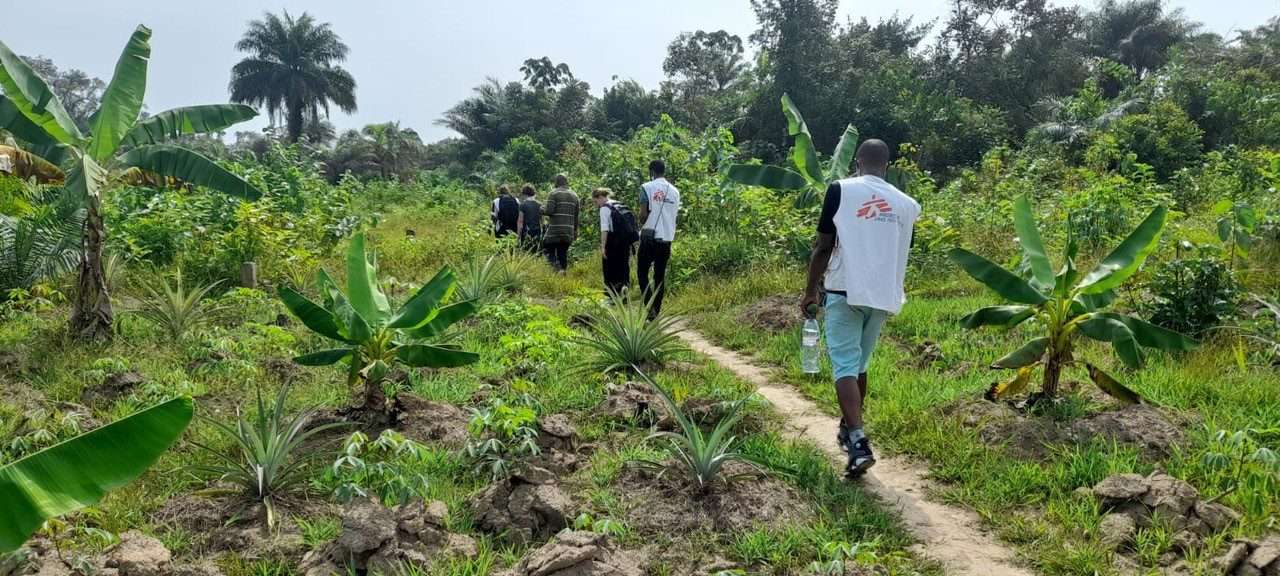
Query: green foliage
528	160
1164	138
373	338
38	429
176	310
1195	295
503	434
622	337
269	463
1064	305
40	234
79	471
384	467
1239	464
701	455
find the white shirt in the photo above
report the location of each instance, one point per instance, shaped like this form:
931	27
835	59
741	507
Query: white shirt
663	200
873	232
606	217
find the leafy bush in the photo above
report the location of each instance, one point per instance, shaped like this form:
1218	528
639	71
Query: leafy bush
384	467
1195	295
503	434
1164	138
529	160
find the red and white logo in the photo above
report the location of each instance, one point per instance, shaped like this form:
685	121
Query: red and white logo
874	208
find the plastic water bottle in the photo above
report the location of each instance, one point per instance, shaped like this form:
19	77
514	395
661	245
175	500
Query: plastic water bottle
810	343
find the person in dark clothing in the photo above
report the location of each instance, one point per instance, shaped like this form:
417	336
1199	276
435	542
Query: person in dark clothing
505	213
615	258
529	224
562	223
659	207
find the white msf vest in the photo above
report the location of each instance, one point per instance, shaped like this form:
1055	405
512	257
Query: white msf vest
873	239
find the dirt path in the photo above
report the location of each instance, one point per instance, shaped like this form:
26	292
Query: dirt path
946	533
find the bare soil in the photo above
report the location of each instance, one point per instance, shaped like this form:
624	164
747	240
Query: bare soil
951	535
777	314
670	503
1153	430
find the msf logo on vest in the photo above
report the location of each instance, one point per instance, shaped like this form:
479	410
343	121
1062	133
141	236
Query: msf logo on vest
875	208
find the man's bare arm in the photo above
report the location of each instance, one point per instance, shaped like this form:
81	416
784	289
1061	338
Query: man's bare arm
818	262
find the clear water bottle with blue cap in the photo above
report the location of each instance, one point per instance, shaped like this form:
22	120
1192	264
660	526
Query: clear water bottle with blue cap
811	342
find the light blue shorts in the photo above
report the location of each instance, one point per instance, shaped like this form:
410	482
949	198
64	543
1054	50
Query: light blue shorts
852	332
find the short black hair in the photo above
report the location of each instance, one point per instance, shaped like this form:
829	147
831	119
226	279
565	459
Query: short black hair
528	190
874	153
658	168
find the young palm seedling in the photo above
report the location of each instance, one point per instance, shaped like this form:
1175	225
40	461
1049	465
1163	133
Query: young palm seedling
176	310
268	465
372	337
1064	305
623	337
700	455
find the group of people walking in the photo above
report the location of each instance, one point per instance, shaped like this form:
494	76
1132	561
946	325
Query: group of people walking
856	271
553	227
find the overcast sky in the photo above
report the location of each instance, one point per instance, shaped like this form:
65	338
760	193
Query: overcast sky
412	60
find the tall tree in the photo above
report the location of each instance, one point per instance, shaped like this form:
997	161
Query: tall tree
117	141
291	70
796	37
1136	33
542	73
705	62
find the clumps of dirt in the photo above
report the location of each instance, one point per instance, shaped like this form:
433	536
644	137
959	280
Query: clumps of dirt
113	387
1134	501
777	314
527	507
135	554
379	540
427	421
282	369
12	361
639	403
665	503
1150	428
579	554
237	526
556	433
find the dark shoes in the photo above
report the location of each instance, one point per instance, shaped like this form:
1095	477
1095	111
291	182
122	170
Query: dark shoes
859	451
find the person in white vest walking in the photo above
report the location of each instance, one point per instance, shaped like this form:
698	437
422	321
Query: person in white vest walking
864	238
659	207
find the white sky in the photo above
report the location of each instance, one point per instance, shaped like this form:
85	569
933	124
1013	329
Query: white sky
412	60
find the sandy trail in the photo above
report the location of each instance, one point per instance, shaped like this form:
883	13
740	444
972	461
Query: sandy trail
946	533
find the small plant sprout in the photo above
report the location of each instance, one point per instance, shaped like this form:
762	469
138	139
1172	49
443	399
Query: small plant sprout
374	338
1064	305
700	455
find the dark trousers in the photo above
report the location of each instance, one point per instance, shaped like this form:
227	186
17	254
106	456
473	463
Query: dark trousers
656	255
531	239
617	268
558	253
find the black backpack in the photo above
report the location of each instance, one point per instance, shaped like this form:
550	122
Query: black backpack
625	232
508	212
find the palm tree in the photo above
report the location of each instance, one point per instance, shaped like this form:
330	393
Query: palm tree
291	70
117	143
1136	33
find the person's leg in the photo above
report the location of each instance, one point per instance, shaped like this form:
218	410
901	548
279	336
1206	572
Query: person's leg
662	255
872	324
843	327
644	260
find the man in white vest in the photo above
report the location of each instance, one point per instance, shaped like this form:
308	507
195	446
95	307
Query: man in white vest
659	208
864	237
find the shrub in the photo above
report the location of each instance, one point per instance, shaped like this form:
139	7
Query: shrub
385	466
1195	295
503	434
175	310
529	160
1163	138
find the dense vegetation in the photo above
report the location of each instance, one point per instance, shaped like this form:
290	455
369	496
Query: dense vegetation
447	366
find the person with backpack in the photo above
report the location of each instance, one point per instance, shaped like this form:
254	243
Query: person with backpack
529	223
659	207
562	223
617	235
505	213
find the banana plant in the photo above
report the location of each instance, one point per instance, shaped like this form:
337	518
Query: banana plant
373	338
1065	305
810	177
80	471
118	142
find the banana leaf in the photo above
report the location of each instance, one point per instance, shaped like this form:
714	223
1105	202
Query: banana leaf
1028	354
1112	386
80	471
1029	237
324	357
1122	262
29	93
1012	386
122	100
314	317
190	167
1151	336
1007	316
765	176
187	120
362	285
424	303
803	153
434	356
842	157
443	319
997	278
